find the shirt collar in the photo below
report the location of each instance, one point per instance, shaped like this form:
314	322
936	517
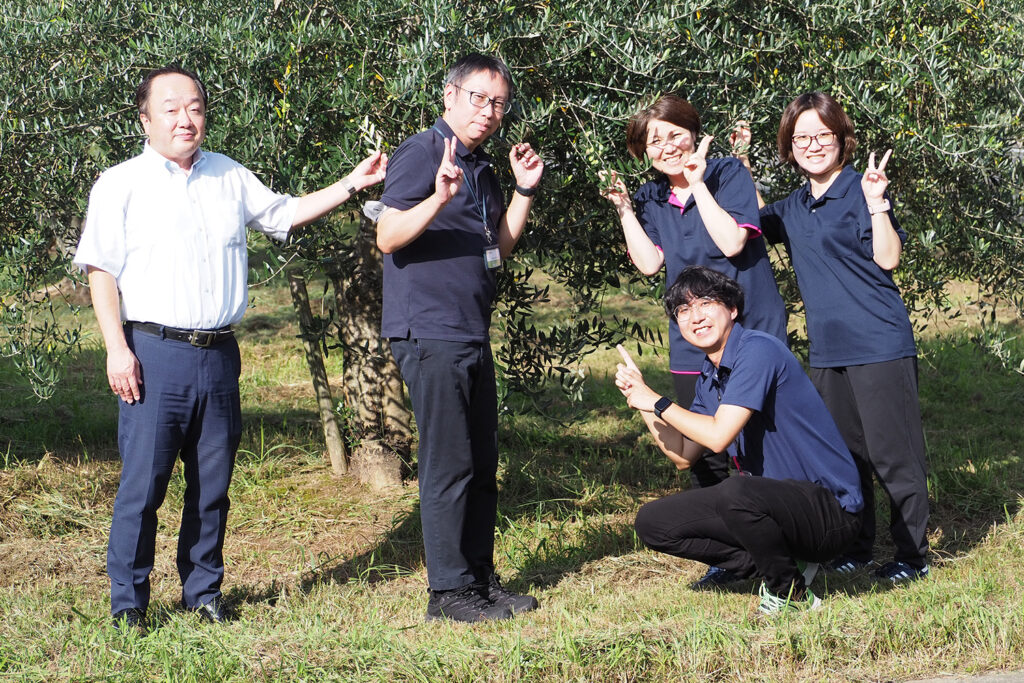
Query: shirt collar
725	366
837	190
157	159
478	155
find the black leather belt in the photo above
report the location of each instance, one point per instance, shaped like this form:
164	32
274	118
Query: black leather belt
200	338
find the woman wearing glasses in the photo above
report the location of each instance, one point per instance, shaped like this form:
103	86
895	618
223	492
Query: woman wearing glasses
694	212
844	242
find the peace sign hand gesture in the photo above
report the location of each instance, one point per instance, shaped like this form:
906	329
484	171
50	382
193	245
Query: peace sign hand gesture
874	181
696	164
449	176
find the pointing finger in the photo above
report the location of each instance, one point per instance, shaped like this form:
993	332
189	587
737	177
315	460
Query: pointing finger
705	144
626	357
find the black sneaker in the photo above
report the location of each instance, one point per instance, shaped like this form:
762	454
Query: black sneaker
715	577
901	572
844	564
131	619
464	604
496	593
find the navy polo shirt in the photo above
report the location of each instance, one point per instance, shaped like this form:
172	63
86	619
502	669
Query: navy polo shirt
791	434
683	238
438	286
855	314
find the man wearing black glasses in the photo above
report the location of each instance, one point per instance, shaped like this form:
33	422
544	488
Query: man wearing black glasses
444	234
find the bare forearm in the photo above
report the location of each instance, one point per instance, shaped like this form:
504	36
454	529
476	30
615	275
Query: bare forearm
396	228
721	226
106	304
318	204
885	242
514	223
647	258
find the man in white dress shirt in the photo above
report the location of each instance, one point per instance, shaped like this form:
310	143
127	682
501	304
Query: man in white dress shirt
164	246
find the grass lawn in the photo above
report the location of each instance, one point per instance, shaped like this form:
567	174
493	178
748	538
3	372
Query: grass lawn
327	577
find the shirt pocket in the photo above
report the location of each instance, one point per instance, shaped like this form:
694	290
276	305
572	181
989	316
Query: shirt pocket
225	222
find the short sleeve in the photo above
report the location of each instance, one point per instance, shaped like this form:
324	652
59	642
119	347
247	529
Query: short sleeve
410	176
266	211
735	193
643	204
752	378
772	226
102	244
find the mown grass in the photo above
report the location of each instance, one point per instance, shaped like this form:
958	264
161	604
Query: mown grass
327	578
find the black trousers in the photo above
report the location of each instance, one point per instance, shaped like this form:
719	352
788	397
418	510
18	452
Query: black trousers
712	468
455	402
877	411
751	526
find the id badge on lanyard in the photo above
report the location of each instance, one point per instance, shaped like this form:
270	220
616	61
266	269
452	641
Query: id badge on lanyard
492	256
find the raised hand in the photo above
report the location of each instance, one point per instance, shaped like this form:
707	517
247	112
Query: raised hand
874	180
449	178
739	141
527	166
697	163
614	189
631	383
369	171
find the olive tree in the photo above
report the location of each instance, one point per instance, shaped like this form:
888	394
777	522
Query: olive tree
300	90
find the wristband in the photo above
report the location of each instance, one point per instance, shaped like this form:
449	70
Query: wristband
661	405
349	187
526	191
879	208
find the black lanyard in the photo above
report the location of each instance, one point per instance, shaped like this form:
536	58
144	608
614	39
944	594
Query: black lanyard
479	201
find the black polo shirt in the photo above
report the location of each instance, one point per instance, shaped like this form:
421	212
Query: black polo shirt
438	286
855	314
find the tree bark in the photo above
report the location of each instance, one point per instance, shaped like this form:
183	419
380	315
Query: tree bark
372	386
336	450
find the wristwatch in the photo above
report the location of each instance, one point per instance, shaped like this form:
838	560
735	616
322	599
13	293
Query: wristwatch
879	208
661	405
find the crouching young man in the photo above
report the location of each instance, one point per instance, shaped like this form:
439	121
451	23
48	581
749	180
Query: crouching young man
796	500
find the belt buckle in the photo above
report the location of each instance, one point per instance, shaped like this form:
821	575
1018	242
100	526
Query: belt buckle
208	338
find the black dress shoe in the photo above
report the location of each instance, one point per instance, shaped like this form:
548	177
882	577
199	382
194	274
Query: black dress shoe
212	612
131	619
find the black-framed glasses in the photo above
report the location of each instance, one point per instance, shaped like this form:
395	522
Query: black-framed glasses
804	141
480	100
698	306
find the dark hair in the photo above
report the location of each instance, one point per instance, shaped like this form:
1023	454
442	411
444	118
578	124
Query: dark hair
832	115
474	62
700	282
671	108
142	92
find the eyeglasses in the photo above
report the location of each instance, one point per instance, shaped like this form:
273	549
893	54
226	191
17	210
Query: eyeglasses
678	138
804	141
697	306
480	100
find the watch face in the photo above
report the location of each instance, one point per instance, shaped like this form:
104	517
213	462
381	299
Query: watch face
661	405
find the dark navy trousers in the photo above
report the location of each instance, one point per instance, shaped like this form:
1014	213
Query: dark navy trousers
455	402
751	526
189	408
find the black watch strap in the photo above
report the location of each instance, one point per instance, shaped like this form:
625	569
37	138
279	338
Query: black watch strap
661	405
526	191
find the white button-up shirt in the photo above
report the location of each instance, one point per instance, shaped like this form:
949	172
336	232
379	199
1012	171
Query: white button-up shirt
175	242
